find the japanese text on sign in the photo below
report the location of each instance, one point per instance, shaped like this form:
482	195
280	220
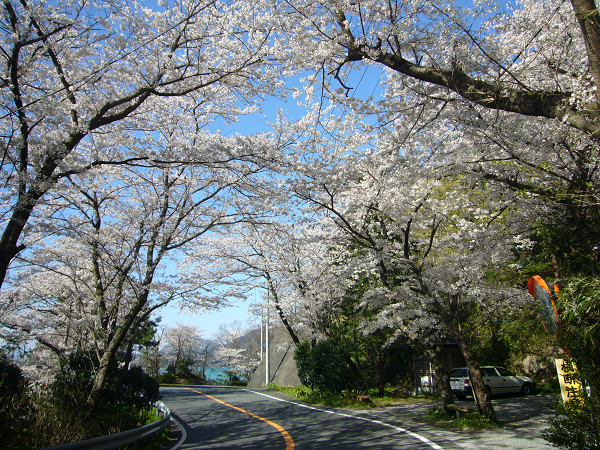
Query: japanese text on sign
570	386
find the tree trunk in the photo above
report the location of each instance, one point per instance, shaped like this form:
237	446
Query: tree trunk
129	352
441	379
9	242
100	378
109	354
588	17
204	362
284	320
451	318
380	372
482	396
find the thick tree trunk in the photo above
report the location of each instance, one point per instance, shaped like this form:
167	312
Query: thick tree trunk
588	17
110	353
441	378
101	375
482	396
450	315
9	243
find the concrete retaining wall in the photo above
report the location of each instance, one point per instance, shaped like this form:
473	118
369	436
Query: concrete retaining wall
281	361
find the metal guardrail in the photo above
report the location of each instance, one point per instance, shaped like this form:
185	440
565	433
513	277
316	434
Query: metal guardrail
113	441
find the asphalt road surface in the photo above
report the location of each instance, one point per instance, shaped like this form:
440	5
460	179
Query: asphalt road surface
224	417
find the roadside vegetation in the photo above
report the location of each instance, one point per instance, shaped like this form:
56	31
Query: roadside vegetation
30	418
458	422
393	396
577	422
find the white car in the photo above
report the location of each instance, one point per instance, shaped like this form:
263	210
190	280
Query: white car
497	381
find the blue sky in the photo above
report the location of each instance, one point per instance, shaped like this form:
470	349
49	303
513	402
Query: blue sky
365	83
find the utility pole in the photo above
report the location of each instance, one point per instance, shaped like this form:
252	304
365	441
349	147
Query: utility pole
267	369
262	324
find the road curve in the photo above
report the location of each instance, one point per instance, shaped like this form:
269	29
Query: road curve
224	417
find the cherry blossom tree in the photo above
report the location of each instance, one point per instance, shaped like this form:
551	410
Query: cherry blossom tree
238	349
510	93
110	264
427	233
536	59
150	357
80	79
184	344
291	264
484	122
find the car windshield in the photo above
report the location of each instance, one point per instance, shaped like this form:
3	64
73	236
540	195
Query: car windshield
505	373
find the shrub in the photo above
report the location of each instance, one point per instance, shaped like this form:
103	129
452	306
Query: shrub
29	419
184	368
131	388
577	424
168	378
323	367
74	381
16	410
126	394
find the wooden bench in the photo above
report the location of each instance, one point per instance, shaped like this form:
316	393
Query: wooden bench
458	409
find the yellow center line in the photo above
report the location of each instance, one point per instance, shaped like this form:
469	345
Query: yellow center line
289	442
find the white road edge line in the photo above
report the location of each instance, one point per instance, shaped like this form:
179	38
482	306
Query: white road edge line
183	434
402	430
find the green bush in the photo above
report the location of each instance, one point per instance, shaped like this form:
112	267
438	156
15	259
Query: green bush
131	387
16	409
577	424
31	419
126	395
183	368
123	387
171	369
323	367
74	381
168	378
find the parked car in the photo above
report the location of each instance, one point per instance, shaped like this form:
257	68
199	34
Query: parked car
497	381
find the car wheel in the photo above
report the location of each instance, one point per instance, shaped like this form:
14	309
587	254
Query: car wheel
527	389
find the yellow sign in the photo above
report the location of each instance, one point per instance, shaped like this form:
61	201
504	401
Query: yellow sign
570	386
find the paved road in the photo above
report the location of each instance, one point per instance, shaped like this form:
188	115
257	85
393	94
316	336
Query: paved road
523	420
223	417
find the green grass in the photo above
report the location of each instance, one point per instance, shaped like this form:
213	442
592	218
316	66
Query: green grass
158	440
552	388
348	399
465	421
